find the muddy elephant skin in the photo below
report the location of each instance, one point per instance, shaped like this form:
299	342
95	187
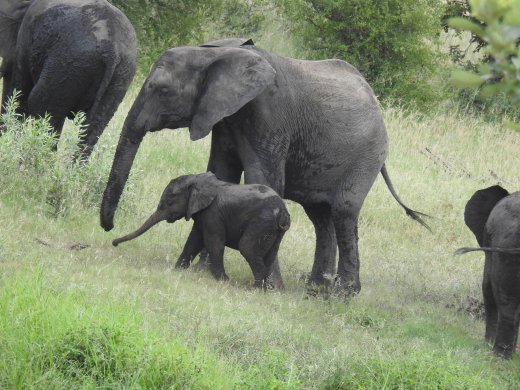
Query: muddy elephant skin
65	56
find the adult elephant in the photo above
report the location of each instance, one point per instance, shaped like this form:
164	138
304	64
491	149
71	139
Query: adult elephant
66	56
311	130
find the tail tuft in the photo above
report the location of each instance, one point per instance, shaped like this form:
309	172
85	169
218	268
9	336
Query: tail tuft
415	215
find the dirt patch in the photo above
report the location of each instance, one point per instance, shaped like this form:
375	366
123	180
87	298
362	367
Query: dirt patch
469	305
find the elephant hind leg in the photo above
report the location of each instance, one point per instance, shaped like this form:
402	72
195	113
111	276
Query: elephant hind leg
326	244
259	245
507	331
345	214
102	111
490	304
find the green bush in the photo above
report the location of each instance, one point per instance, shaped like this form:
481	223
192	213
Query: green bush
38	166
392	42
161	24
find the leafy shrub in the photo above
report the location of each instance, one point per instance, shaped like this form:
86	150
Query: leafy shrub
35	164
162	24
390	41
241	18
459	51
498	24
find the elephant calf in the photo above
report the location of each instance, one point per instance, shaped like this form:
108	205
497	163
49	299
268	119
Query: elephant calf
250	218
493	215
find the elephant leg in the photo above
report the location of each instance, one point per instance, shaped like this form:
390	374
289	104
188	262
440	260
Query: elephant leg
490	305
215	246
7	91
259	245
193	246
226	166
326	244
99	115
507	331
275	179
346	207
47	98
21	81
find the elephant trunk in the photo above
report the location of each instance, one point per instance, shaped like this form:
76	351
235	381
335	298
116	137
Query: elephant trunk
127	147
153	220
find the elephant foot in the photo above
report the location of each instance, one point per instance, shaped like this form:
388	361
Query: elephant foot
263	284
274	282
220	276
183	263
503	351
317	285
204	262
347	286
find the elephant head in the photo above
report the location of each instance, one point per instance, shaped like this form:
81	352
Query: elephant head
188	86
11	15
479	207
182	198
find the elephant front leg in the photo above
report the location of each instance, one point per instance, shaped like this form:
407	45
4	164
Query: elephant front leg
193	246
226	166
215	246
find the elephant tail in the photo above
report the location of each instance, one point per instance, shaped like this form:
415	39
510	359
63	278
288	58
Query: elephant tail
110	68
507	251
415	215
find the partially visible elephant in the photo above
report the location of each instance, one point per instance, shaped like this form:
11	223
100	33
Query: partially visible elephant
493	215
311	130
250	218
66	56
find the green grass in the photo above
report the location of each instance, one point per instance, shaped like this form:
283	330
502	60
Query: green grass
141	323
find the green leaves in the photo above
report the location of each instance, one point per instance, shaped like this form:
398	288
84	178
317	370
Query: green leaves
466	79
466	24
502	34
391	42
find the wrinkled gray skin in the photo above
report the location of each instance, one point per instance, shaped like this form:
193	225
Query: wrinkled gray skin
494	217
311	130
66	56
250	218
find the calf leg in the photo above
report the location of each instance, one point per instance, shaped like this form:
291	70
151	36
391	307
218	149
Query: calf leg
215	245
490	305
191	249
226	166
259	245
507	330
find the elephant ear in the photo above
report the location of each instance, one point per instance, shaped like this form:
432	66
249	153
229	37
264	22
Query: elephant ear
233	79
202	193
479	207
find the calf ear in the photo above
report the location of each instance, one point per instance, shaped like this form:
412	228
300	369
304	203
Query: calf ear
200	197
233	78
479	207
